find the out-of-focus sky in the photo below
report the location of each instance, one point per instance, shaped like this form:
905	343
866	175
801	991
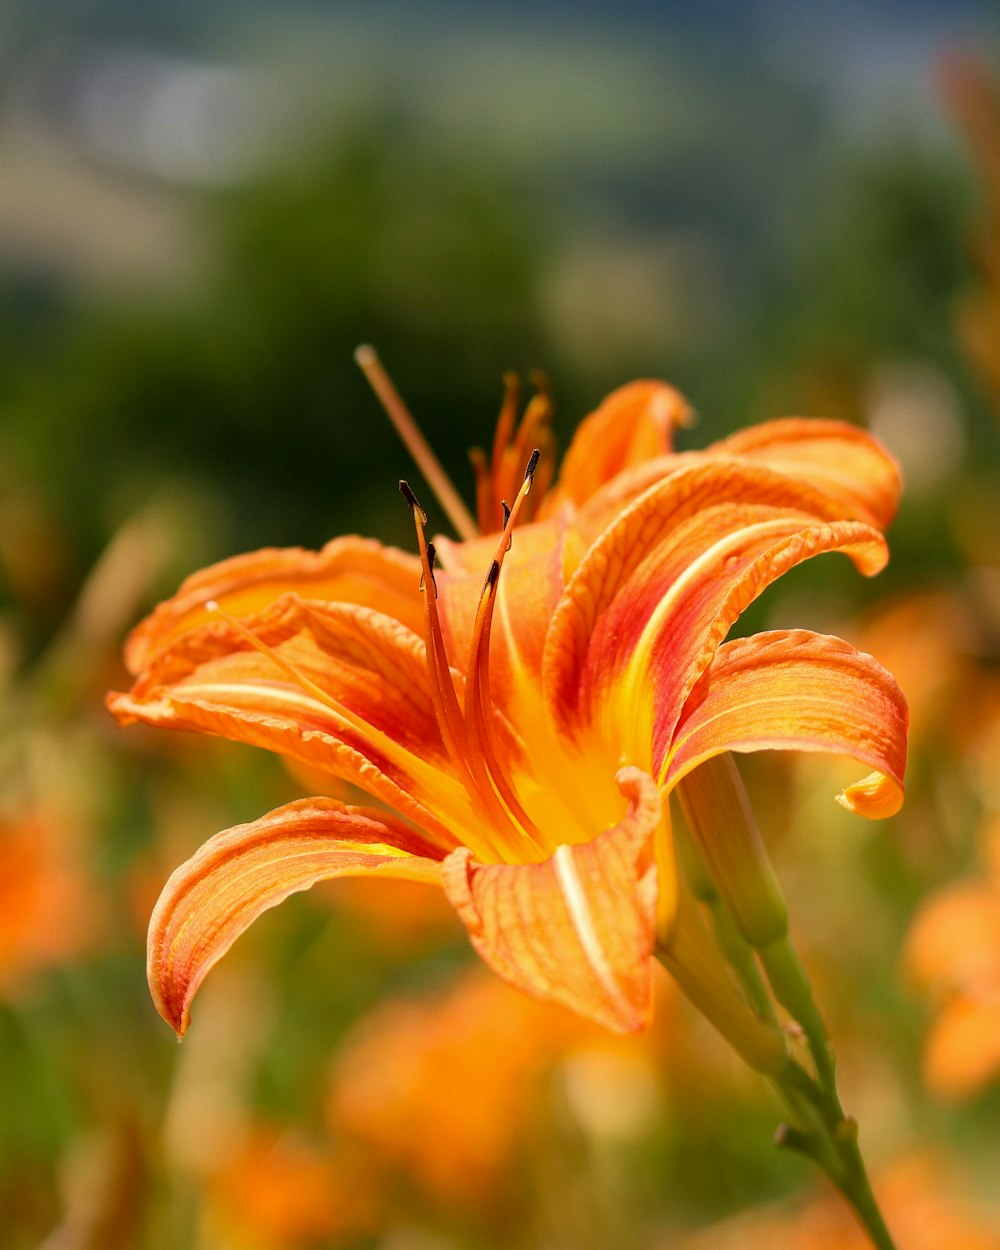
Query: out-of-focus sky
639	119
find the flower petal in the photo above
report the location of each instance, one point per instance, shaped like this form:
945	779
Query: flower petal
240	873
354	570
848	466
847	463
353	698
681	563
577	928
529	589
634	424
796	690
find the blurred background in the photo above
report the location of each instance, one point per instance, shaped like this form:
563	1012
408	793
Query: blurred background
782	209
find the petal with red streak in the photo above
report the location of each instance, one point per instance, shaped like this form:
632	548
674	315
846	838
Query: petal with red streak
242	872
371	721
350	569
796	690
705	615
577	928
632	425
669	565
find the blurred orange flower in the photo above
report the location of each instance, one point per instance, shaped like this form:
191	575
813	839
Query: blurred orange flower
442	1090
47	913
282	1193
530	781
953	951
921	1198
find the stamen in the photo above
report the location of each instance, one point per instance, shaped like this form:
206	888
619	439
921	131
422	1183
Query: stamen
435	476
512	443
446	707
447	710
540	381
506	520
410	497
491	474
431	561
508	414
478	700
534	428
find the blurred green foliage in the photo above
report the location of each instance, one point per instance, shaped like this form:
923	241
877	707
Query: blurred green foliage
252	389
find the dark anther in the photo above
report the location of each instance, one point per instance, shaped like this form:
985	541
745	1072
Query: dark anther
506	521
536	455
431	558
493	575
411	499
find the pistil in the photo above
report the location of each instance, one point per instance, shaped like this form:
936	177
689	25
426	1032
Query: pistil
418	447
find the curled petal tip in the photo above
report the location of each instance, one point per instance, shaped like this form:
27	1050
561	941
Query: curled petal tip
116	702
171	996
875	796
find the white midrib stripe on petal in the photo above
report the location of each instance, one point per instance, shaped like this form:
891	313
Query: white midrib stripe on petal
449	801
583	924
634	682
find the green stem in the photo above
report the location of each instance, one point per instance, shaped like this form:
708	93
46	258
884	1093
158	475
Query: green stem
732	943
791	988
740	957
862	1199
724	863
830	1138
822	1131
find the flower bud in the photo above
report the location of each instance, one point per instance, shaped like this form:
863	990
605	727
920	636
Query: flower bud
718	812
696	964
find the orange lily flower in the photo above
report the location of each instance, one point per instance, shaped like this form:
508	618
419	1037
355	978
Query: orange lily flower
526	727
